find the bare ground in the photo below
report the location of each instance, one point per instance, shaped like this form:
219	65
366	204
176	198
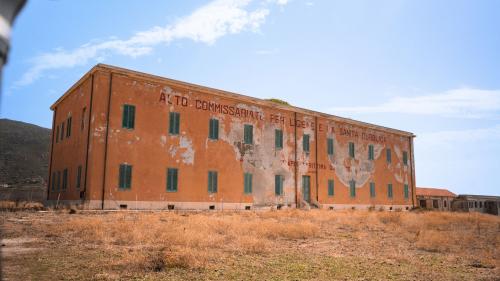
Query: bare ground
273	245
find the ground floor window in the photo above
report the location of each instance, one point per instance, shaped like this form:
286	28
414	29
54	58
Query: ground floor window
125	176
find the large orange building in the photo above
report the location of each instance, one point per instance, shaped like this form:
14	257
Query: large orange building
124	139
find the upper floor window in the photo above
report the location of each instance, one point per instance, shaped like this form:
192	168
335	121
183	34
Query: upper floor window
371	152
305	143
388	155
174	123
128	118
62	131
82	122
351	149
248	134
57	134
213	129
278	139
405	158
68	127
329	146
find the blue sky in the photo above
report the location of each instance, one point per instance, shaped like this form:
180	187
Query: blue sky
429	67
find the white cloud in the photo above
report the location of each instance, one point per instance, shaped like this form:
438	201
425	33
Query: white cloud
206	24
448	138
463	102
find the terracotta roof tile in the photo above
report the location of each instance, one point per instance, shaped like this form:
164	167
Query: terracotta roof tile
427	191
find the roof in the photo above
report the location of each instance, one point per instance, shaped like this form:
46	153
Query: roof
428	191
222	93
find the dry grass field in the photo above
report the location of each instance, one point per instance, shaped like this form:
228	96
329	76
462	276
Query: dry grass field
248	245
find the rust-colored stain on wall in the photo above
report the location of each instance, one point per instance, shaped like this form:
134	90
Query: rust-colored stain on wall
368	165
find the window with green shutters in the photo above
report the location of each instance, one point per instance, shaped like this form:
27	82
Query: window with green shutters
172	179
388	155
125	176
278	139
68	125
331	187
248	134
278	184
65	179
305	143
329	145
371	152
128	118
78	176
389	190
247	178
57	134
62	131
352	188
212	181
372	189
53	181
58	180
351	149
174	123
213	129
406	191
405	158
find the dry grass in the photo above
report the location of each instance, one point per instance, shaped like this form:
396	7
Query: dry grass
162	242
12	206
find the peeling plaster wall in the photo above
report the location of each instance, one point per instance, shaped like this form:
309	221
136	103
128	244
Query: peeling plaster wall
150	149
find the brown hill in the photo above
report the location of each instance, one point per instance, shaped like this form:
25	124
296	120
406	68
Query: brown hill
24	153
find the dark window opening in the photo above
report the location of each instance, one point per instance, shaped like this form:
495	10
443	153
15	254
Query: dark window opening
125	176
248	134
128	118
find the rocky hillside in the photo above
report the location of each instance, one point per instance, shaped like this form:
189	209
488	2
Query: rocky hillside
24	153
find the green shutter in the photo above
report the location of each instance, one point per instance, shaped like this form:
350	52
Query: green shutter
172	174
389	190
213	130
278	139
388	155
405	158
129	176
351	150
174	123
372	189
131	117
331	186
248	134
212	181
406	191
216	129
248	183
278	185
352	185
330	146
125	116
371	152
305	143
121	176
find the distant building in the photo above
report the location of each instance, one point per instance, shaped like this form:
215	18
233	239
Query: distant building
435	198
128	140
476	203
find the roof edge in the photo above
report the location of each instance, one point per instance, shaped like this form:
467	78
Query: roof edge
226	94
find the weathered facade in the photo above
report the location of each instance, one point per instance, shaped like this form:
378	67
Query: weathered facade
124	139
435	198
477	203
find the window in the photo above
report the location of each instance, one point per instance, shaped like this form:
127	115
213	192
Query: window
405	158
174	123
128	118
65	179
480	204
68	127
212	181
331	187
388	155
305	143
435	204
371	152
213	129
172	179
125	180
389	190
278	184
278	139
57	134
372	189
407	191
351	149
247	178
329	145
445	204
82	122
62	131
78	176
248	134
475	204
58	180
53	181
352	188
